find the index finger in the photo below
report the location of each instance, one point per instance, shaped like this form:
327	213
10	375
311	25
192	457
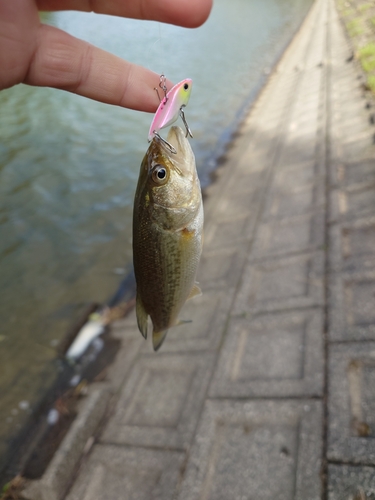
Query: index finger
187	13
65	62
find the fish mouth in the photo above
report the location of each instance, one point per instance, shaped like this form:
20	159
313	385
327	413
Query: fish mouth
185	156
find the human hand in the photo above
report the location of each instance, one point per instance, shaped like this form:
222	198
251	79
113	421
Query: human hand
38	54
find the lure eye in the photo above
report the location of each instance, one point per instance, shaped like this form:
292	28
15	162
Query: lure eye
159	174
186	86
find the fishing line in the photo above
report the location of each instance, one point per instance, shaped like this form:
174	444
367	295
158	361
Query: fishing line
157	46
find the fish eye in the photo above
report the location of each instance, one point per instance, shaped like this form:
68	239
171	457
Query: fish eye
159	174
186	86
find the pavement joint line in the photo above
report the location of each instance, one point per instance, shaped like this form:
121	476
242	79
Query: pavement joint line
358	465
351	341
140	446
327	126
266	398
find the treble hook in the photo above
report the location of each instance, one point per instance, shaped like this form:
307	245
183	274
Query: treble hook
165	143
163	88
188	131
162	85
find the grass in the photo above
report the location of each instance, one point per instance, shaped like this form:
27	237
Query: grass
368	64
348	12
354	27
371	83
365	6
366	55
359	19
368	50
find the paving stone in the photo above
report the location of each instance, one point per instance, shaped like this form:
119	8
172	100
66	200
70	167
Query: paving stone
58	475
283	283
357	201
295	174
363	132
352	145
233	205
304	131
237	186
356	120
289	201
347	482
222	176
222	268
294	177
239	194
275	355
256	449
352	246
131	342
161	402
209	314
353	119
290	235
351	403
128	474
352	149
351	304
229	231
251	167
297	151
357	172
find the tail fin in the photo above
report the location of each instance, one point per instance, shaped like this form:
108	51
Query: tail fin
158	339
142	316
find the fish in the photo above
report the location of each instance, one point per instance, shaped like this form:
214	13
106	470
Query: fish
167	234
171	106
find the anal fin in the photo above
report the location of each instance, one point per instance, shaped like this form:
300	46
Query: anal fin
195	291
142	316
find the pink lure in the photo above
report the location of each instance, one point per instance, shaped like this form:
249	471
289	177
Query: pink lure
170	106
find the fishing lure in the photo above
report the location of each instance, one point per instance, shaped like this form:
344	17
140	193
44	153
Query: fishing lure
170	108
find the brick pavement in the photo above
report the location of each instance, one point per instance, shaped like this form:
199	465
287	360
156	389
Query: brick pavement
270	392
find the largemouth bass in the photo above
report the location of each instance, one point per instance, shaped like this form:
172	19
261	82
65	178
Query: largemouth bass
167	234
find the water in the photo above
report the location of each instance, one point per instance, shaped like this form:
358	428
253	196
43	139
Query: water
69	166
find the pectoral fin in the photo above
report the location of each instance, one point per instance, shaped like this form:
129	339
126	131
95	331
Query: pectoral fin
142	316
183	321
195	292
